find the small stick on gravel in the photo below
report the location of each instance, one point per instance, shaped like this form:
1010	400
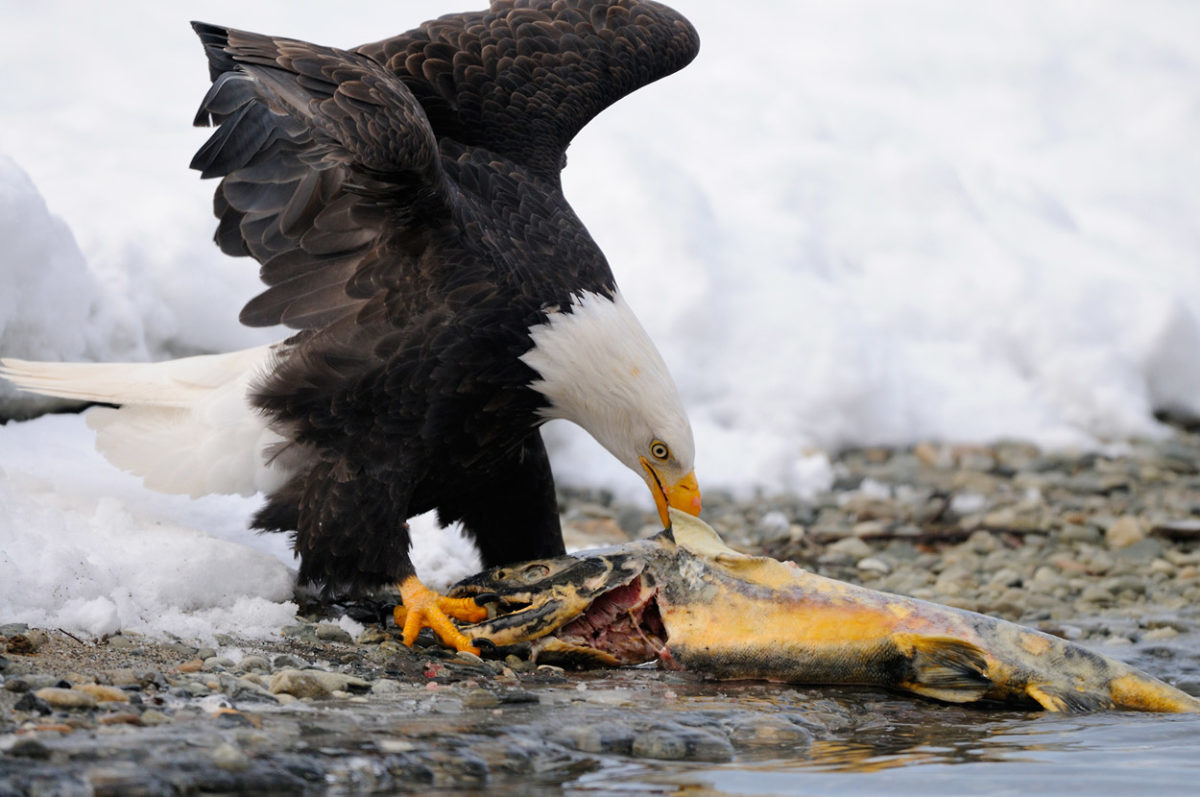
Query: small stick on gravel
68	633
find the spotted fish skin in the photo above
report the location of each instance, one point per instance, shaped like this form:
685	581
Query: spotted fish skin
712	610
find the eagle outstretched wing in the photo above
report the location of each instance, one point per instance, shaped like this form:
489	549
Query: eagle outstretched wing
315	146
332	161
522	78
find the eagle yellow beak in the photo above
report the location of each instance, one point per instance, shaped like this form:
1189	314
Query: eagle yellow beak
683	495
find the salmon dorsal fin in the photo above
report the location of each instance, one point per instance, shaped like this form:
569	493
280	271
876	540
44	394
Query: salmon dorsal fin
700	538
944	668
697	537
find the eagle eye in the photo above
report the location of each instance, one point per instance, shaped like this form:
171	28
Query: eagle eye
660	451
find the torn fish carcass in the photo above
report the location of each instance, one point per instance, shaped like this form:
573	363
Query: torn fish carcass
685	599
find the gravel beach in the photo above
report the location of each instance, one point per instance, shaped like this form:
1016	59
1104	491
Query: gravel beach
1103	549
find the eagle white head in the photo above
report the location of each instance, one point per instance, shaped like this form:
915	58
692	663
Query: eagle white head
599	369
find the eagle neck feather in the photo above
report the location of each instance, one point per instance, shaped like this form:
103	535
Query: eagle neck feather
598	368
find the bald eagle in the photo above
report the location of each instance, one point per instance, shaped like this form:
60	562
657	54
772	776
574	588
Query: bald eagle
403	200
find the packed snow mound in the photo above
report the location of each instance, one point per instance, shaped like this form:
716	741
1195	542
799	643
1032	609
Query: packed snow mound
53	307
96	567
86	548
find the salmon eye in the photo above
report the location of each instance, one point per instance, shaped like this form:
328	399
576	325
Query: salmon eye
659	450
534	573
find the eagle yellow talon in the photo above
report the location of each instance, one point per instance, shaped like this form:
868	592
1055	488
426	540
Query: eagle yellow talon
424	608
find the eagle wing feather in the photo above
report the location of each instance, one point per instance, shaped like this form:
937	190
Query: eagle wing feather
323	155
333	161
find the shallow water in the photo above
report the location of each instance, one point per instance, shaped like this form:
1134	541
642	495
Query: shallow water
635	731
935	752
911	746
915	747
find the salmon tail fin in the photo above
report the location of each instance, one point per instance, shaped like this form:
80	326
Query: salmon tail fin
1132	690
1143	693
944	668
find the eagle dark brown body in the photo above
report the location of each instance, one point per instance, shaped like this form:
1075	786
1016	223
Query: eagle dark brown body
404	201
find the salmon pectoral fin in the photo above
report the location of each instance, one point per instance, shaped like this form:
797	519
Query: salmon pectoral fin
944	668
1054	698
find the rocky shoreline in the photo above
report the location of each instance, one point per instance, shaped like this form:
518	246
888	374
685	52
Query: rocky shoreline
1102	549
1005	530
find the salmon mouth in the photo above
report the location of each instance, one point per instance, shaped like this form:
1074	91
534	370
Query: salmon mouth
621	626
596	610
578	613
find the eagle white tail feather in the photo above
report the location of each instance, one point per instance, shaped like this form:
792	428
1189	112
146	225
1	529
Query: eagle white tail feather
184	426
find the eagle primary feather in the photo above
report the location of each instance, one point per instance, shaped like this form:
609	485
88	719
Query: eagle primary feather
404	204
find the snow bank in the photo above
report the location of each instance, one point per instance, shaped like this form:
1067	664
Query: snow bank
93	566
54	307
86	548
890	223
878	224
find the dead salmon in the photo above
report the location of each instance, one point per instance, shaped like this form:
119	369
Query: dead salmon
687	600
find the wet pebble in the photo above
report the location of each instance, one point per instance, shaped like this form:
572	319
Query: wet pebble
676	742
32	704
315	684
1136	553
122	676
1046	579
1005	577
768	731
66	698
1166	632
1123	532
254	664
1079	533
1163	566
874	564
329	632
153	716
103	694
373	635
122	642
1094	593
386	686
121	718
184	651
230	758
850	549
28	682
245	689
597	738
29	747
1189	685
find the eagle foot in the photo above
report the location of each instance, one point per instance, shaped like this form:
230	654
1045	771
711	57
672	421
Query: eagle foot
424	608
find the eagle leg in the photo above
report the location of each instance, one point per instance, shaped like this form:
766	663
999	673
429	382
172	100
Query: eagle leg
424	608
